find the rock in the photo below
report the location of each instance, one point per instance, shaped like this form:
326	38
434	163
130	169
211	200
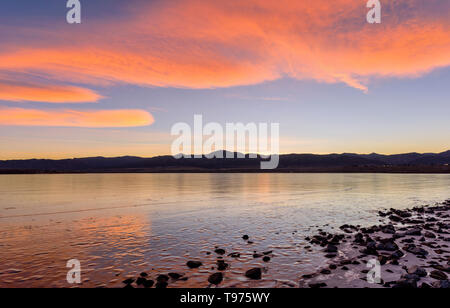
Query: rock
148	283
333	266
387	245
397	255
235	255
175	276
143	274
266	259
215	278
336	239
395	218
394	262
254	273
317	285
419	271
331	249
430	235
403	214
325	272
440	251
441	268
443	284
425	286
438	275
370	251
162	278
128	281
414	232
161	285
221	265
245	237
382	214
268	252
257	255
416	250
408	241
345	268
359	238
309	276
330	255
396	236
382	259
220	251
405	284
389	229
411	277
140	281
194	264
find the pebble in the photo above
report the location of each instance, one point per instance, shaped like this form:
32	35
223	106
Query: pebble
220	251
438	275
175	276
215	278
254	273
194	264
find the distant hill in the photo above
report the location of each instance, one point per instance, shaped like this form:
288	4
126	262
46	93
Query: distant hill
347	162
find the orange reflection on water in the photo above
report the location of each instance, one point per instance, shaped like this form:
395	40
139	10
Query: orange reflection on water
36	255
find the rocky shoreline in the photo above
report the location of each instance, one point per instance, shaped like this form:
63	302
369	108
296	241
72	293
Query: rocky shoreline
408	250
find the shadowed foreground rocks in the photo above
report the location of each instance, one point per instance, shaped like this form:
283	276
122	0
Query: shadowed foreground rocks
411	249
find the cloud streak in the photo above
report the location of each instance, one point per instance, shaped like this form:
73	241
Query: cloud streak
46	93
73	118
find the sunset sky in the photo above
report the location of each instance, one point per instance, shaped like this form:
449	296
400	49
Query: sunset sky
115	84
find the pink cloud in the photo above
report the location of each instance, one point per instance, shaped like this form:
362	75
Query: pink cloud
46	93
207	44
73	118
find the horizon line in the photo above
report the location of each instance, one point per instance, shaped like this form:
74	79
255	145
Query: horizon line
260	154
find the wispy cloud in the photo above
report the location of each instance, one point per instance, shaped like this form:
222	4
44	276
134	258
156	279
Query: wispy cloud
46	93
73	118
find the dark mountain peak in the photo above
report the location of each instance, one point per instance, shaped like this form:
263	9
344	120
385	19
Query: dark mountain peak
287	162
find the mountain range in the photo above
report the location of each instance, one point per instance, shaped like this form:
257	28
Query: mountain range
347	162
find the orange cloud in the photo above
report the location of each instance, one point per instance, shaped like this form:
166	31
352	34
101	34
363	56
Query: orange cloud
207	44
46	93
72	118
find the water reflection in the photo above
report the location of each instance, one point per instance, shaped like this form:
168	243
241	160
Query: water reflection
121	224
